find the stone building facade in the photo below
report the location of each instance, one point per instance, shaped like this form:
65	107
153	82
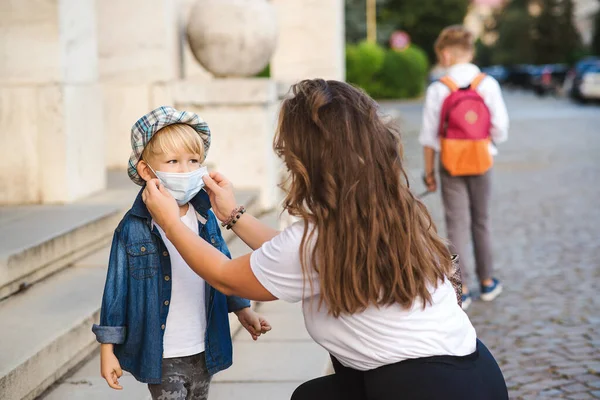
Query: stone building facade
76	74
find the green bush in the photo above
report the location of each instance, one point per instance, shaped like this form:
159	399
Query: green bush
363	61
386	73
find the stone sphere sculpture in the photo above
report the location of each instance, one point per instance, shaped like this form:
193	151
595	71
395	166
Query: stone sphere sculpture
232	38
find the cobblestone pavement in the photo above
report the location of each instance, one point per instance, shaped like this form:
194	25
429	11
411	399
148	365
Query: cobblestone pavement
545	328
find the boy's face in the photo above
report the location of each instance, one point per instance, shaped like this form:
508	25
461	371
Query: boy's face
178	162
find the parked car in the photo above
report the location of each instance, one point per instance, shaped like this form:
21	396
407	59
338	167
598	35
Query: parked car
548	78
574	78
589	85
498	72
519	76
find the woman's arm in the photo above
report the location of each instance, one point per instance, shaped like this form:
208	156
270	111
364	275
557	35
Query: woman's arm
230	277
253	232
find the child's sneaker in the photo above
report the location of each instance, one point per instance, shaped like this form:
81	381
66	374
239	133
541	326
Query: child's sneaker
466	301
489	293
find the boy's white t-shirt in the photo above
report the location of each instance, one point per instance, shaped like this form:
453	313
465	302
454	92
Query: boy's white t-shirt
376	336
490	91
186	321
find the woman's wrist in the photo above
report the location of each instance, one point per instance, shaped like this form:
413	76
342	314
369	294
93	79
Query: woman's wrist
234	216
172	227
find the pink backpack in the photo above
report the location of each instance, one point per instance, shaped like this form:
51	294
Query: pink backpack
465	127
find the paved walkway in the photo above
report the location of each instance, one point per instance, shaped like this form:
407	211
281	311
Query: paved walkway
545	328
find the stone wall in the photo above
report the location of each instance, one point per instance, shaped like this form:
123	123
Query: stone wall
51	125
138	57
76	74
311	40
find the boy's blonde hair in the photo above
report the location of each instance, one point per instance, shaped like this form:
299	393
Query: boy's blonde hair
172	139
457	37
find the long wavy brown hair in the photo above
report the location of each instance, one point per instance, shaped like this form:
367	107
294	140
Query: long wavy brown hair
372	241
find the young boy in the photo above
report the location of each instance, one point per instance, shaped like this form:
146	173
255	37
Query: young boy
464	117
159	320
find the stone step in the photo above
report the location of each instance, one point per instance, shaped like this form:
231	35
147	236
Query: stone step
39	240
46	330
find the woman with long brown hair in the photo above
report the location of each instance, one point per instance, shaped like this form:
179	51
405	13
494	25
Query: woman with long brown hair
365	258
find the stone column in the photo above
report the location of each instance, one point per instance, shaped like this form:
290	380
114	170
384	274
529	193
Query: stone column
311	40
51	123
241	114
139	58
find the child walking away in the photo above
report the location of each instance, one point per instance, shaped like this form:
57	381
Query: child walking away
159	320
463	119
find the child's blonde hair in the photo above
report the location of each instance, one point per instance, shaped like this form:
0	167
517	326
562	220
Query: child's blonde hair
457	37
172	139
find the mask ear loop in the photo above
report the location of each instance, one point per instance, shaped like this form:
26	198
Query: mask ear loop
155	174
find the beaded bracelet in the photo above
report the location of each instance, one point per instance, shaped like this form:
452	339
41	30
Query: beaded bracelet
235	220
236	214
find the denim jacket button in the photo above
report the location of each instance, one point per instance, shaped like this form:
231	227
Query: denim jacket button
167	278
212	240
143	249
165	253
162	327
166	302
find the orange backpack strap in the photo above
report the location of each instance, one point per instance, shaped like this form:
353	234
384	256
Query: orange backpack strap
446	80
477	81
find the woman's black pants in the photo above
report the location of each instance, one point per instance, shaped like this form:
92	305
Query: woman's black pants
473	377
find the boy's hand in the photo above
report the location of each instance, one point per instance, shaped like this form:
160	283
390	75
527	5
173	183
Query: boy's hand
430	181
252	322
109	367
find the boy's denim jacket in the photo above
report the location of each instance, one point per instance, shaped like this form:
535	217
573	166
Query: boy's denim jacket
138	291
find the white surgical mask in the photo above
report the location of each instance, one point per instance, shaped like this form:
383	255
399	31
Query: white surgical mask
183	186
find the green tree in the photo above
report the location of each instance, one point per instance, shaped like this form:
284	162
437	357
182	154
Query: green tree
546	34
356	22
550	37
596	38
483	54
424	19
513	27
555	37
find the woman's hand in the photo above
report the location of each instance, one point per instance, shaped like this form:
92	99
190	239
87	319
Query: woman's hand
161	205
220	191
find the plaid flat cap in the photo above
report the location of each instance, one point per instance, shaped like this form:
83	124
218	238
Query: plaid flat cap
143	130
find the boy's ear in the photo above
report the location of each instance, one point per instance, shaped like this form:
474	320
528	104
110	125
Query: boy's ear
144	171
445	57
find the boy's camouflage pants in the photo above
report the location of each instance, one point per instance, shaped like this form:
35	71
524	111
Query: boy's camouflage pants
183	378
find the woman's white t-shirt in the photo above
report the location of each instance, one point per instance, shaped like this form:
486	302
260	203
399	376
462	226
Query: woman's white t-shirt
376	336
